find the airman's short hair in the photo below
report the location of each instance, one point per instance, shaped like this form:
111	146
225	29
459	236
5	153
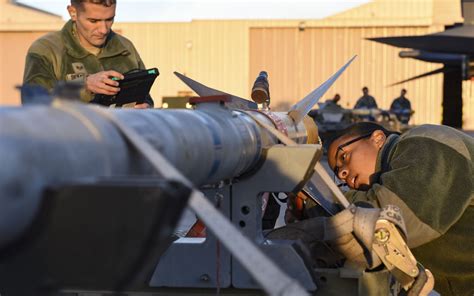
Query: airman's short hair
78	3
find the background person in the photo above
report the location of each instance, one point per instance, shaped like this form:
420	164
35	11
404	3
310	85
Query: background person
401	107
366	101
334	100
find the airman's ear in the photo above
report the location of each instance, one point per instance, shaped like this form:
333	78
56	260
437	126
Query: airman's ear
72	12
378	137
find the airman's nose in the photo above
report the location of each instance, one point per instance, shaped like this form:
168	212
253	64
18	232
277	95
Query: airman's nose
103	28
343	173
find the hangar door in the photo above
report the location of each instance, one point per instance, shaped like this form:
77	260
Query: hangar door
300	59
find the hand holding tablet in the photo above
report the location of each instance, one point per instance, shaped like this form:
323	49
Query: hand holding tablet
134	88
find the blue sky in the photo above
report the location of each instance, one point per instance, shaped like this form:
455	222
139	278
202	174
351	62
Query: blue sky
186	10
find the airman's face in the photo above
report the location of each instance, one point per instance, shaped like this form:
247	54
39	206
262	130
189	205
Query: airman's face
93	23
354	162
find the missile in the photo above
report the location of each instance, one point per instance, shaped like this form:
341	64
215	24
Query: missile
219	140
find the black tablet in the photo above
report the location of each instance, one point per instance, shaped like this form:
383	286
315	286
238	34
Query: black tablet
135	87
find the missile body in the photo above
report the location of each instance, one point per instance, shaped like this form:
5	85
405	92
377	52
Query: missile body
41	146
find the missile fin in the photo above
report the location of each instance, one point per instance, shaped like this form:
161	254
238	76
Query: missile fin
203	91
300	109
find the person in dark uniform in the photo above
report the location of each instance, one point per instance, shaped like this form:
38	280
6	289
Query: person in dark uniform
366	101
401	107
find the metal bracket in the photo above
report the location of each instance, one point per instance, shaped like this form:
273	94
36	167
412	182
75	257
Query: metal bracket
284	169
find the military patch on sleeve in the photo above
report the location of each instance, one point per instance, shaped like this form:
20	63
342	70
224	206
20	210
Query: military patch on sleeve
79	68
79	76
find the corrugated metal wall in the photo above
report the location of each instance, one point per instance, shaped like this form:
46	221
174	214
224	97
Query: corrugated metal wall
227	55
468	105
299	60
205	51
399	13
213	52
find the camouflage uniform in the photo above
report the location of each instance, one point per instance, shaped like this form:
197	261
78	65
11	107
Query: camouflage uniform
428	173
59	56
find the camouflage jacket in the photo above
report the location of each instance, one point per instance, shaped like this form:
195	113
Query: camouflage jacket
59	56
428	173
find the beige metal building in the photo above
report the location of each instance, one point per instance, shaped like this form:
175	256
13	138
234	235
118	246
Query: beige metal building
297	54
19	27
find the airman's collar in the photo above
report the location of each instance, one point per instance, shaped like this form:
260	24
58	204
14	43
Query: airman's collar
384	156
113	45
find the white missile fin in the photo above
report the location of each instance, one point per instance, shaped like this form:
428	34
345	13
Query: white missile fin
204	91
199	88
300	109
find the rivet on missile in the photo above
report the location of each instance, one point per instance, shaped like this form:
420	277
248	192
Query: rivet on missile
205	278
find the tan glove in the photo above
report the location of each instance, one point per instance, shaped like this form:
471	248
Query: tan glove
351	232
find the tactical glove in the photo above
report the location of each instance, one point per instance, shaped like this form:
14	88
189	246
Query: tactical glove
351	232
